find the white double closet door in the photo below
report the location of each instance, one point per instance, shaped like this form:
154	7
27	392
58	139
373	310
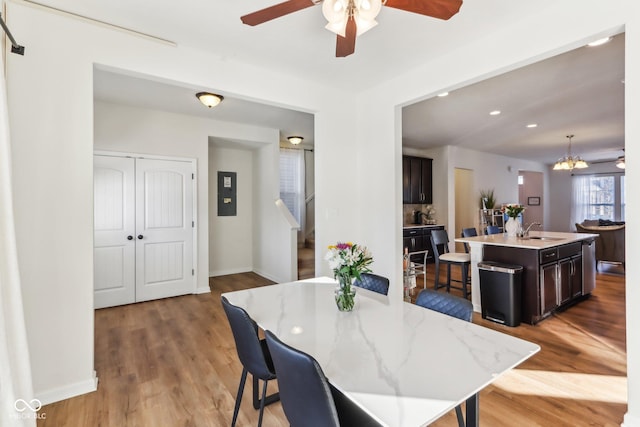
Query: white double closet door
143	229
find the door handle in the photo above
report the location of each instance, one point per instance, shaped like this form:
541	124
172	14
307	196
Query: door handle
140	236
129	237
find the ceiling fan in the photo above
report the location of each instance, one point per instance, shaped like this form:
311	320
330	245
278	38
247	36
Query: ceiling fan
350	18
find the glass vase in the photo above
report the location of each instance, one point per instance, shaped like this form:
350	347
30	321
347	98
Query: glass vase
345	293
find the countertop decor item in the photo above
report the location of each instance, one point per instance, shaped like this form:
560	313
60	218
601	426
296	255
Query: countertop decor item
348	261
513	210
512	226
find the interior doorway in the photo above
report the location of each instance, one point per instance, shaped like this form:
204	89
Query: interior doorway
143	229
530	195
465	204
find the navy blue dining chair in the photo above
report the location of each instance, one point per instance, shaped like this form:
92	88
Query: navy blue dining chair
308	400
493	229
468	232
450	305
373	282
254	356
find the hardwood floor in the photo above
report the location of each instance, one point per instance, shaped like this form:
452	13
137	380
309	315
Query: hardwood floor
172	362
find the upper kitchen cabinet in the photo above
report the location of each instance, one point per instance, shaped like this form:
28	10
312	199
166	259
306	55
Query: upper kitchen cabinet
416	180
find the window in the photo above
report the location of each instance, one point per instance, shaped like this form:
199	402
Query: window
292	182
598	197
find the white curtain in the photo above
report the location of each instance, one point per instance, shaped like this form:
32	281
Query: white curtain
292	183
580	203
17	405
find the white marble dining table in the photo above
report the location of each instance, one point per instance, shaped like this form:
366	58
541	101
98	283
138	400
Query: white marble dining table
403	364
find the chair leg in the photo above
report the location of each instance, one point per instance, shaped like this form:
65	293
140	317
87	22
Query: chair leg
262	402
243	379
448	277
459	415
465	272
256	397
268	400
437	279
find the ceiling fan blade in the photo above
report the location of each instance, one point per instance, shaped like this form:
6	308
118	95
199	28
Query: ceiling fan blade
441	9
346	45
276	11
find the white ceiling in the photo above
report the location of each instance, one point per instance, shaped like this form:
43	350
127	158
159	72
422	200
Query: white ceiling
578	93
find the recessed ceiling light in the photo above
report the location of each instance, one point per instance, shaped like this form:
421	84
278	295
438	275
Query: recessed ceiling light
495	112
443	94
532	125
599	42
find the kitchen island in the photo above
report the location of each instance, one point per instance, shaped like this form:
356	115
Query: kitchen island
558	268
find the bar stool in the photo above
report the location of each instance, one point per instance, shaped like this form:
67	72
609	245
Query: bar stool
441	254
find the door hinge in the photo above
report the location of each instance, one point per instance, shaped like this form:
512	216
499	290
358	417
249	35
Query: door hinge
193	224
193	176
193	272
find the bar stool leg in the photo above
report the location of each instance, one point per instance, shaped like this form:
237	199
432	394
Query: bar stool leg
448	277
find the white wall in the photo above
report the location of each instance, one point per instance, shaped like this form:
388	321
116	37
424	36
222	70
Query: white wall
358	154
142	131
535	37
231	237
275	262
52	155
489	170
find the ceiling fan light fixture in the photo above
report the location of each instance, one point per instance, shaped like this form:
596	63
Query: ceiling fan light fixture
337	13
295	140
209	99
620	164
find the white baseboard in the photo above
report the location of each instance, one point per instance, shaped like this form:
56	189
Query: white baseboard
230	271
268	276
68	391
203	290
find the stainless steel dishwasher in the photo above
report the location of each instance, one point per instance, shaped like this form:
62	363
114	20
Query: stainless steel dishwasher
588	266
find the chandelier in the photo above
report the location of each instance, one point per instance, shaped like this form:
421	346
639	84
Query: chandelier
569	162
363	12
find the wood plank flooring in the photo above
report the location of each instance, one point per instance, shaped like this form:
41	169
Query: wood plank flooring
172	362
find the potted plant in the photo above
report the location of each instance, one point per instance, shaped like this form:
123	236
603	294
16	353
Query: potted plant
487	200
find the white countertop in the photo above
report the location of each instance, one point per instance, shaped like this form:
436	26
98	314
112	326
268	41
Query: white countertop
402	363
549	239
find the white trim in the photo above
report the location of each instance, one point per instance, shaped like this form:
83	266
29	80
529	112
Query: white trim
247	269
71	390
202	291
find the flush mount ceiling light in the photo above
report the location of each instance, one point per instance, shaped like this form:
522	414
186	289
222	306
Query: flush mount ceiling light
209	99
295	140
620	163
569	162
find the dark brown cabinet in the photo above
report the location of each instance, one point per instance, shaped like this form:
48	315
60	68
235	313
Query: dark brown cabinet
419	239
416	180
551	279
